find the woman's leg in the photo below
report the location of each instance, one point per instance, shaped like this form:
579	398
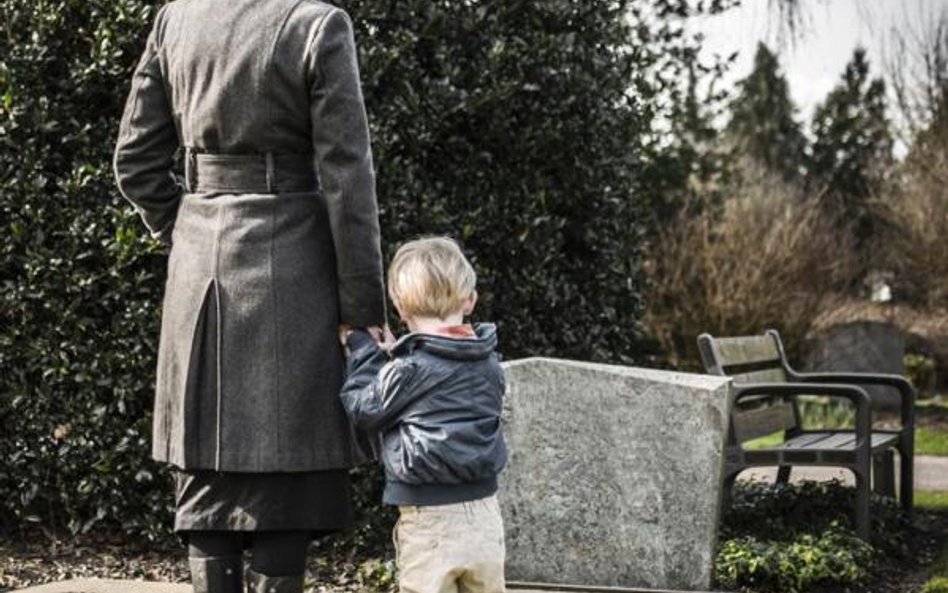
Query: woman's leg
277	561
216	561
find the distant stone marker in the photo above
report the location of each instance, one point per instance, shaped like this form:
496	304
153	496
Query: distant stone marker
864	347
614	475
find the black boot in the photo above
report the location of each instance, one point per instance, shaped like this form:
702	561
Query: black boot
261	583
219	574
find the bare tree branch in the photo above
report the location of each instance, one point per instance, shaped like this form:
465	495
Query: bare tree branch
917	67
791	15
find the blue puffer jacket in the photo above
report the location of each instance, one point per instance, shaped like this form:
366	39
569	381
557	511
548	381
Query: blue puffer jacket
435	403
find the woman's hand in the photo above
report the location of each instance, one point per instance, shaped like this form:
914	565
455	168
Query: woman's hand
344	330
382	335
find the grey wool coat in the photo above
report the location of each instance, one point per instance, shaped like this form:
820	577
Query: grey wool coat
273	230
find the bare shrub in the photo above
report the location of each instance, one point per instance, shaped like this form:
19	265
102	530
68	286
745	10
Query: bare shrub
766	259
917	246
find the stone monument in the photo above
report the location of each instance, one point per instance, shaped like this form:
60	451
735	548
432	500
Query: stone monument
615	474
863	347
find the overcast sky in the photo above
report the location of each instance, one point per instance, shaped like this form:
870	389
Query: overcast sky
831	31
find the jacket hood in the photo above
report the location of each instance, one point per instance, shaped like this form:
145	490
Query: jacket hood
475	348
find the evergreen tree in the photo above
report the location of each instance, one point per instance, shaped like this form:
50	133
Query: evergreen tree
762	124
852	150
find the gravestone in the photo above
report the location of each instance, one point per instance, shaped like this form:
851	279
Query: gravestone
861	346
615	474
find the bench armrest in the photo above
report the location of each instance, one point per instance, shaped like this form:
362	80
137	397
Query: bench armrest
901	384
857	395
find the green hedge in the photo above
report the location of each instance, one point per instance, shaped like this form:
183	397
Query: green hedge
79	284
509	125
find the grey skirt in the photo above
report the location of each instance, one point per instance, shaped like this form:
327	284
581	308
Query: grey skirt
315	501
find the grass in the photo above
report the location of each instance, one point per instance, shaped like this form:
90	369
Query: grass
764	442
931	499
938	576
931	442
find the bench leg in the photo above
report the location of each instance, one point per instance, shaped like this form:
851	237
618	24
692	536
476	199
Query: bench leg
862	503
906	479
728	485
883	473
783	474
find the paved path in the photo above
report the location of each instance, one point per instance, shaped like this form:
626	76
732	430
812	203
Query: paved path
110	586
931	473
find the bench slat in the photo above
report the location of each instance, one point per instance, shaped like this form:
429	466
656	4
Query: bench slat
804	440
746	350
843	441
883	440
774	375
764	420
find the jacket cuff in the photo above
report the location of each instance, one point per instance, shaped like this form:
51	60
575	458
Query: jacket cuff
362	300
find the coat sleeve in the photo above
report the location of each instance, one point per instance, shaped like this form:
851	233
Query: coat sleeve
344	163
147	141
376	390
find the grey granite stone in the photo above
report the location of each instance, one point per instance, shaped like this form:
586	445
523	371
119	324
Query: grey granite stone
614	475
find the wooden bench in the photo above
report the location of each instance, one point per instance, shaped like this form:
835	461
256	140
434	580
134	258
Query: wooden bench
765	391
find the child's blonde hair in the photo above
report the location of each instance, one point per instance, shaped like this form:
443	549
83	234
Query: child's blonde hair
430	278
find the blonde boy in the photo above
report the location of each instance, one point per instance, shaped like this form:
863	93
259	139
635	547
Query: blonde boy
434	400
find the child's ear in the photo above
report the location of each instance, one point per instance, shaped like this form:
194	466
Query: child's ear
469	303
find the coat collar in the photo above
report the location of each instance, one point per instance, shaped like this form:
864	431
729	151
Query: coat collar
460	348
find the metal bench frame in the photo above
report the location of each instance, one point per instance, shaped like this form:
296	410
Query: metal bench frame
765	389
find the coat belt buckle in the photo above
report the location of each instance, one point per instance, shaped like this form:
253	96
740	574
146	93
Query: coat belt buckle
190	170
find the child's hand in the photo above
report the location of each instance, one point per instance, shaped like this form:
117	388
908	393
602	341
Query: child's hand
388	339
382	335
376	332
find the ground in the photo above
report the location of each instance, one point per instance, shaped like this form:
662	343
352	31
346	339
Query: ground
35	561
932	545
36	558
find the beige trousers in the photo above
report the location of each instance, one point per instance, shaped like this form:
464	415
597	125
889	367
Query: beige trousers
453	548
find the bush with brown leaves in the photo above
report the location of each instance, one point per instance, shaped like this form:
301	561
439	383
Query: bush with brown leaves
767	258
917	245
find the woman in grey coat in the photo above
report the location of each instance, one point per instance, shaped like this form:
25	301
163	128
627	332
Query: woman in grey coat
274	244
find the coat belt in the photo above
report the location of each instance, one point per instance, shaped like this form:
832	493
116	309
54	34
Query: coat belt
249	173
